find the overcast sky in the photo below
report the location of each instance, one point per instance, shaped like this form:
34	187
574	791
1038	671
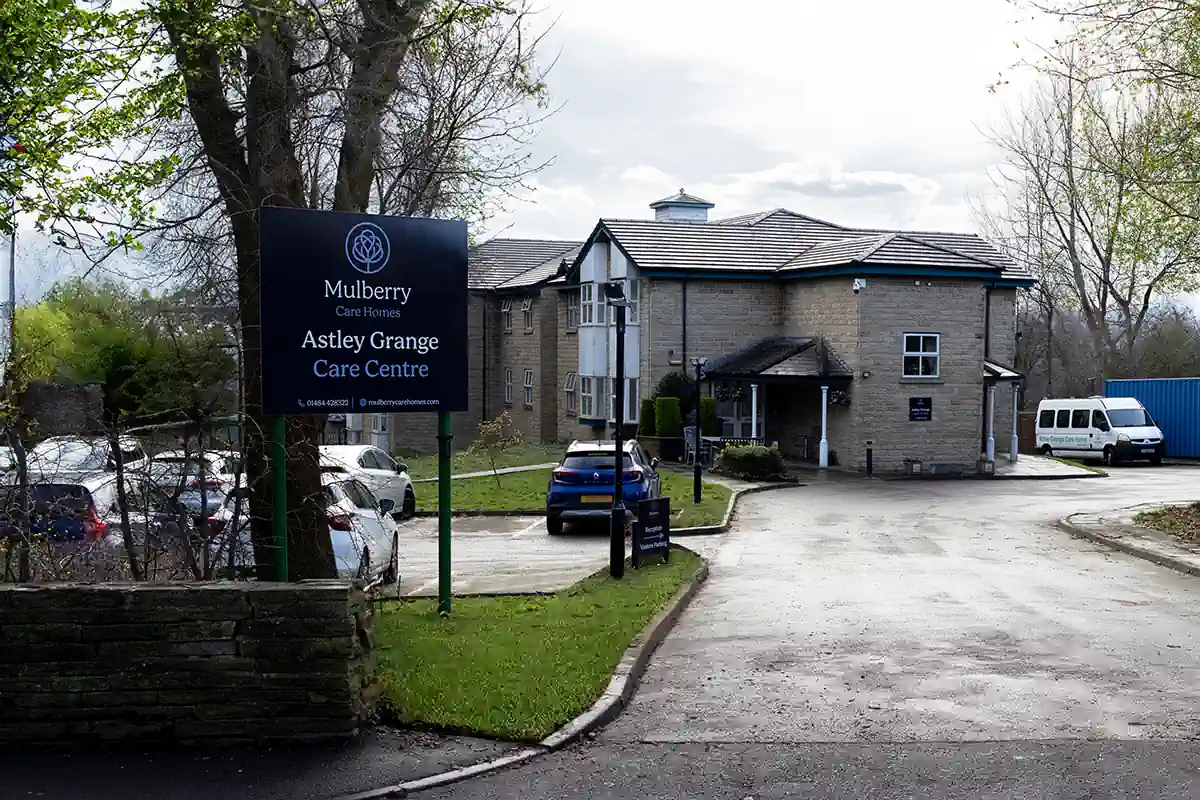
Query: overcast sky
867	112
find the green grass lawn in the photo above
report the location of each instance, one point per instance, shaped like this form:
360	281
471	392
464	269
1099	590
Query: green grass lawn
425	466
1076	463
516	490
527	490
517	668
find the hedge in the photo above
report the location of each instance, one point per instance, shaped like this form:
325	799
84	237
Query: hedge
668	418
646	426
709	425
752	462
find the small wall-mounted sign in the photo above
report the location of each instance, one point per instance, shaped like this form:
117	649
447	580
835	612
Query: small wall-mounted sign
920	409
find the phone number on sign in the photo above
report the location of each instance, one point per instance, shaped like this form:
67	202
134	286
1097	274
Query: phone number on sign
343	403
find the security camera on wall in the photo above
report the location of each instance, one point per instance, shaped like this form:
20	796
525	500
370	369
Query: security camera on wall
859	284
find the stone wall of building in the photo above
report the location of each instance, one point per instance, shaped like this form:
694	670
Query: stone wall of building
829	309
723	317
521	350
214	662
891	308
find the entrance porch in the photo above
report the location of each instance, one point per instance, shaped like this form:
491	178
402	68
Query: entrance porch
793	392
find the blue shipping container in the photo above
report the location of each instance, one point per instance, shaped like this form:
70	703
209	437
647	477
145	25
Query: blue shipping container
1175	405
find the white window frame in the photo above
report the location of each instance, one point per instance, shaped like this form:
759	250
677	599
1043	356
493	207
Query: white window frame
587	303
587	396
508	386
634	295
506	314
569	389
921	354
527	389
527	314
573	309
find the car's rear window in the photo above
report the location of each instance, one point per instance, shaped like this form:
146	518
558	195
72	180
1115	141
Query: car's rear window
593	461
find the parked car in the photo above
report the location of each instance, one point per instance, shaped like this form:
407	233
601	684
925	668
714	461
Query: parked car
198	479
582	485
365	537
1111	429
80	457
64	513
382	474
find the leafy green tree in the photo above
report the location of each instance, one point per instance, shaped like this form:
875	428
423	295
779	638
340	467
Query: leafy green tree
246	81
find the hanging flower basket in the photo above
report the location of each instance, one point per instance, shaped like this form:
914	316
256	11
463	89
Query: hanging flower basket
730	393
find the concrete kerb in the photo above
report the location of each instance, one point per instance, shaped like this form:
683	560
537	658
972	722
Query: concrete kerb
616	696
1072	525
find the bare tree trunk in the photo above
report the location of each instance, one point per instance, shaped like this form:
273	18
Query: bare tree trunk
114	446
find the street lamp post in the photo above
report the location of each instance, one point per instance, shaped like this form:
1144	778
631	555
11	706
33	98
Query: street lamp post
699	364
614	294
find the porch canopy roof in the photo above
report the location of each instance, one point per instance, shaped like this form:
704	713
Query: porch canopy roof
781	359
998	373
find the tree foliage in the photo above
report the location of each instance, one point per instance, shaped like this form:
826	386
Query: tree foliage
190	115
153	360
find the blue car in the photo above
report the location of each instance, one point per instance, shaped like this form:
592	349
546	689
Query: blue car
581	486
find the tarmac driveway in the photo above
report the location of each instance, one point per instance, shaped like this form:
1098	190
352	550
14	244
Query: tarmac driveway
937	612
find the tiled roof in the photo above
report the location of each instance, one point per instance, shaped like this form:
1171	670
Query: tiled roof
499	261
786	242
781	357
543	272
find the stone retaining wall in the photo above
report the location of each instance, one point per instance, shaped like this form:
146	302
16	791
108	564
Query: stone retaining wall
212	662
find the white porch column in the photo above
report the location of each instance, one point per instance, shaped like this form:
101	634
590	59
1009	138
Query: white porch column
754	411
1013	443
824	451
991	419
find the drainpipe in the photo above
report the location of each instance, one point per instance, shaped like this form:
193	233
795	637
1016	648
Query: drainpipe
483	412
683	345
987	351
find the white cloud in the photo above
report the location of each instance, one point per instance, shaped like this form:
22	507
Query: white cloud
871	111
644	173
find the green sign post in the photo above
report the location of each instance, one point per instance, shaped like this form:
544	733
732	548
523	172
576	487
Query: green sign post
445	454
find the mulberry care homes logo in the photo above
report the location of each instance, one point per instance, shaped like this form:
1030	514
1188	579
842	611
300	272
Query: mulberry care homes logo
368	248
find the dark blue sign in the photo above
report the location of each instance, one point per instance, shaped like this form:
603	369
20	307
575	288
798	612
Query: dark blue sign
920	409
362	313
652	530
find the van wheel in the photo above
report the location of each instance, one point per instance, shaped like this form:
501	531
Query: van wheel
1047	451
1108	456
409	509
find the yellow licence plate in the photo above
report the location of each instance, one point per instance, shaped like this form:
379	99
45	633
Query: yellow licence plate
596	498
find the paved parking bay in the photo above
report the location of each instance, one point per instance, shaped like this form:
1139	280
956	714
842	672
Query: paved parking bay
507	554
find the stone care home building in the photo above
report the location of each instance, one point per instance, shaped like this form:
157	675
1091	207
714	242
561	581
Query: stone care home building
839	334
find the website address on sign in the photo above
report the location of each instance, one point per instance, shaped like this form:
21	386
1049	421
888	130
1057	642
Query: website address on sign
407	402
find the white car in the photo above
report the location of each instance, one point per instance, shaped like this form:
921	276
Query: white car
365	537
383	475
85	456
175	471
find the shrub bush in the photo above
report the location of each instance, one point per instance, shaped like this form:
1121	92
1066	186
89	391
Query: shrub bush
678	385
709	424
752	462
668	418
646	426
